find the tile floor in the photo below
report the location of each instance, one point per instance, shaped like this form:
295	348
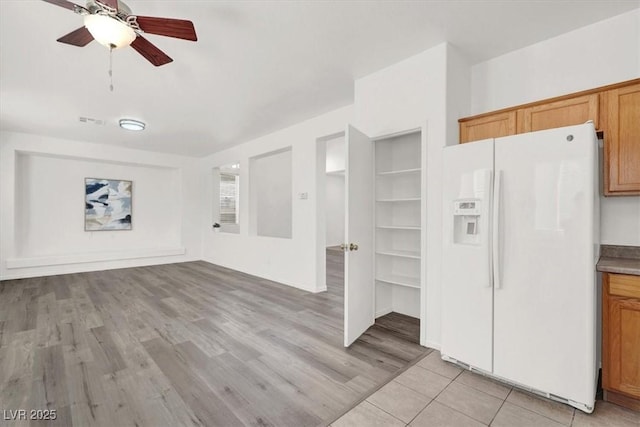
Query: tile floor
436	393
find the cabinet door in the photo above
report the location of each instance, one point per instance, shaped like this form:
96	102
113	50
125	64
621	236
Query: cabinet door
493	126
621	337
568	112
622	140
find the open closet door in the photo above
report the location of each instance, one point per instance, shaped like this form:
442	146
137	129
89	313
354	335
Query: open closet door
358	256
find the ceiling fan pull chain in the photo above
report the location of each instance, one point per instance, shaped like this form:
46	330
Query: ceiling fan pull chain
111	68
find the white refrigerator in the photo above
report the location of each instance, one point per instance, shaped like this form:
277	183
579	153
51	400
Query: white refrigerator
520	244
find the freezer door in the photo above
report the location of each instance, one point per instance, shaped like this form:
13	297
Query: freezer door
544	315
466	276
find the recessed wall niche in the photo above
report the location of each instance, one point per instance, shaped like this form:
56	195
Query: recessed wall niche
50	207
270	194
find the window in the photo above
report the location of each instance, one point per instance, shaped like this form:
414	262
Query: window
226	197
229	189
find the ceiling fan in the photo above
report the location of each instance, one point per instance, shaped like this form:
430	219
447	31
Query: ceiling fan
111	23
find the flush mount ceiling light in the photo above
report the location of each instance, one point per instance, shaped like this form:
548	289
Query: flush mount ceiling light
131	124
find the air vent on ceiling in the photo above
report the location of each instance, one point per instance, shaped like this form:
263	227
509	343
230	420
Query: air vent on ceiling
91	120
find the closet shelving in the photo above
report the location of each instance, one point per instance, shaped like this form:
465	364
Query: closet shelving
399	253
400	199
398	218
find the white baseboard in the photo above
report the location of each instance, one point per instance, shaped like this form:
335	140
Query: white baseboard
43	261
55	270
264	276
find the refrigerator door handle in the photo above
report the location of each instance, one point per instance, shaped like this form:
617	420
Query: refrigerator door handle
489	187
495	241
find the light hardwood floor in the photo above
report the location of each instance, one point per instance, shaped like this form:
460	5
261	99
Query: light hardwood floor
188	344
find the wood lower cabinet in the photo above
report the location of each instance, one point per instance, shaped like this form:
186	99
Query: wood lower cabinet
622	140
621	339
492	126
567	112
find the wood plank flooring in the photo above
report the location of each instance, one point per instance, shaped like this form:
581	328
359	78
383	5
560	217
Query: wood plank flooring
401	325
188	344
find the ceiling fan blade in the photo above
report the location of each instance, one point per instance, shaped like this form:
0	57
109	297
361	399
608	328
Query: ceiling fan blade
112	4
80	37
66	4
177	28
150	52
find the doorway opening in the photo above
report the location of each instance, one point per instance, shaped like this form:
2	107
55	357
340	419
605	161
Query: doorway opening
356	282
335	213
330	191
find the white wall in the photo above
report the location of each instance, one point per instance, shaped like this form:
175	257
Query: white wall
335	191
335	154
270	195
49	214
335	210
290	261
42	214
432	89
400	97
620	221
600	54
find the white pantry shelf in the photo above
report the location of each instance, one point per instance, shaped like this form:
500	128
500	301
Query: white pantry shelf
399	227
399	199
399	172
396	279
400	254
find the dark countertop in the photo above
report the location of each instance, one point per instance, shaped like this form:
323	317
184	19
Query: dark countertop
619	259
619	265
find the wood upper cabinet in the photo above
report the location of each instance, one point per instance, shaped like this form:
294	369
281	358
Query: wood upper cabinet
614	109
622	140
567	112
490	126
621	339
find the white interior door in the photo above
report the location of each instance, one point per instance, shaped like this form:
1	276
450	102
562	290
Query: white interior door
544	320
359	282
467	288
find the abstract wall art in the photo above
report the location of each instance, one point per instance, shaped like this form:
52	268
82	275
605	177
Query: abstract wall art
107	204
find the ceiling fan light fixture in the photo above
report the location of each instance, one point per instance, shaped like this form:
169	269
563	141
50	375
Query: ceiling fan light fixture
132	124
108	31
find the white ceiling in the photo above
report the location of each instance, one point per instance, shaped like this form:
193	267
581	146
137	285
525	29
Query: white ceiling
258	66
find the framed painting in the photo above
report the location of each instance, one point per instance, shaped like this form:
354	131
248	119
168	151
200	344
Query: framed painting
107	204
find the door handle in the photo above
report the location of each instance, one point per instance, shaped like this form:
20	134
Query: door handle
351	247
497	190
